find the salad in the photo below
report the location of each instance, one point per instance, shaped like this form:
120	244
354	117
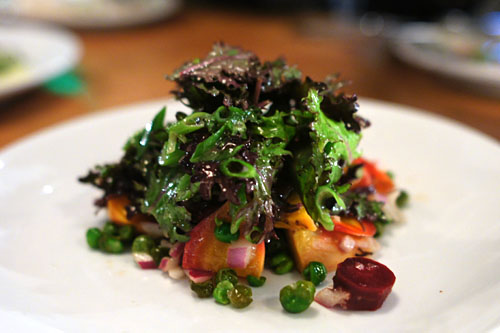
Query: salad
264	172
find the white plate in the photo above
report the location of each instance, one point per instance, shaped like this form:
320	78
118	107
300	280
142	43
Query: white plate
43	52
446	256
95	13
480	76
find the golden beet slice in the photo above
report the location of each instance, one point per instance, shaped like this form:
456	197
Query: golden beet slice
321	245
298	219
116	209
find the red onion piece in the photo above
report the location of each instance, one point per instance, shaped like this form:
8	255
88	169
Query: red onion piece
347	244
391	209
163	263
330	297
176	273
198	276
239	256
172	267
368	244
150	228
367	281
167	264
177	250
144	260
380	197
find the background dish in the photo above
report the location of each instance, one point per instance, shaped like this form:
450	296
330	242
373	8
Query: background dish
453	55
43	52
445	256
95	13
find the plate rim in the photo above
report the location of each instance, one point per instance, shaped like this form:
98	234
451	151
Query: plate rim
168	8
402	45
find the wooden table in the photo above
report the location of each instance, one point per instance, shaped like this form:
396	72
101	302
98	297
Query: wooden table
126	66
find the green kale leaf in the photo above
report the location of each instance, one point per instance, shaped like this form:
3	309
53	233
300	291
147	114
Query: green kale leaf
319	166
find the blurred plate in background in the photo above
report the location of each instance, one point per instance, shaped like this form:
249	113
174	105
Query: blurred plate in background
471	59
94	13
33	54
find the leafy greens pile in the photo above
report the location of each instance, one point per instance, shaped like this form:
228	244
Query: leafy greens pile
257	133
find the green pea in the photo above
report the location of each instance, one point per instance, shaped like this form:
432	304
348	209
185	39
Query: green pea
279	258
240	296
281	263
255	281
221	290
402	199
110	244
102	241
204	289
93	235
226	274
110	229
297	297
158	253
284	268
126	233
315	272
223	233
143	244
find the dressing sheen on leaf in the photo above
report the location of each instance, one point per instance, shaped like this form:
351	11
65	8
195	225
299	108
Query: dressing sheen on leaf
320	167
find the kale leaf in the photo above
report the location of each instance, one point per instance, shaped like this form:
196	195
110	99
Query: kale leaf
320	166
359	206
165	189
230	76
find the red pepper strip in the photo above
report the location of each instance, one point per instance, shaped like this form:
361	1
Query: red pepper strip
373	176
354	227
365	180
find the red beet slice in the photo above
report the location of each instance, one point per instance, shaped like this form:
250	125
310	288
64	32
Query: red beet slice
368	282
